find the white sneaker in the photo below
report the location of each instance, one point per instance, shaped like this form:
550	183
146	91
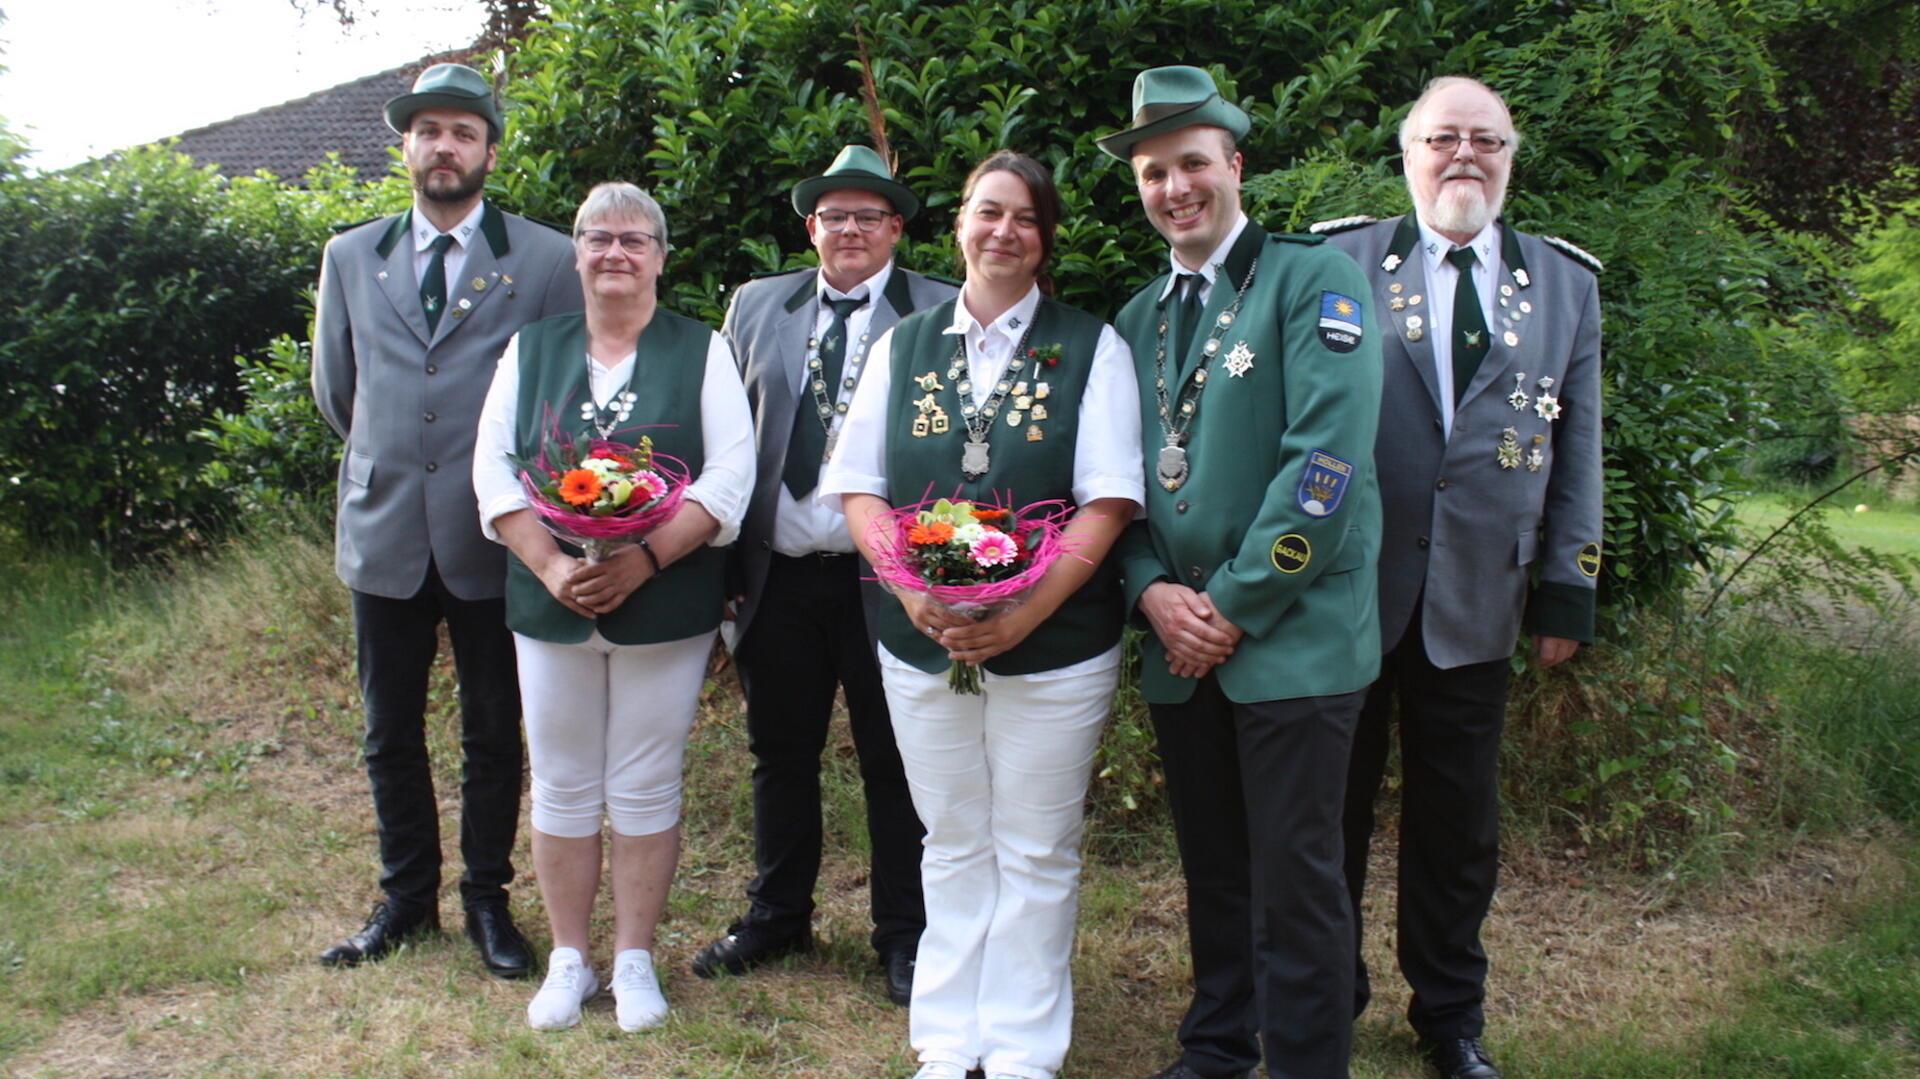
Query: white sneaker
637	1000
940	1069
570	983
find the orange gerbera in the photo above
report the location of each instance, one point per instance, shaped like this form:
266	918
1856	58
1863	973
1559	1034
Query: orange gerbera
989	516
580	487
930	535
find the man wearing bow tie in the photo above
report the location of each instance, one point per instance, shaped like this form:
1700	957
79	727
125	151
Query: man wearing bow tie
1489	462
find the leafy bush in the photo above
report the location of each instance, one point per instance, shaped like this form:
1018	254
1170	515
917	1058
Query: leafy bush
277	449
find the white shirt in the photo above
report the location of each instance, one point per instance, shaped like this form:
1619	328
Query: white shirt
1443	279
725	481
1108	461
424	234
804	526
1208	269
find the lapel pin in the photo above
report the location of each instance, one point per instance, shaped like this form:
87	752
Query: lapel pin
381	276
1512	339
1414	333
1414	322
479	284
1397	304
1506	290
1414	299
1390	263
1395	288
1521	276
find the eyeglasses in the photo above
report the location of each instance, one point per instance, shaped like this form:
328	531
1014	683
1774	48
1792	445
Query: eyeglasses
1447	142
836	220
633	243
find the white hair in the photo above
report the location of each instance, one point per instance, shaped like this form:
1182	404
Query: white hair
1443	82
617	200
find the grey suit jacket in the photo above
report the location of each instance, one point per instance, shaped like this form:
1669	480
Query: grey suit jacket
408	403
1488	544
768	322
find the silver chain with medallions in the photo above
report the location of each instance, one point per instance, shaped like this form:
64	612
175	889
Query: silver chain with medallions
979	420
1170	467
619	407
850	368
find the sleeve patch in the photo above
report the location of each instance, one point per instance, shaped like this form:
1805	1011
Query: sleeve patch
1324	483
1339	322
1589	560
1291	553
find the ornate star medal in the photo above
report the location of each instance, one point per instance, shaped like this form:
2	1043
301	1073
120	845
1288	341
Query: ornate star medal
1518	398
1170	465
1535	459
1547	407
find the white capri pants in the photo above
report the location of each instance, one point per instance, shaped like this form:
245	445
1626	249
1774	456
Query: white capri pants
1000	781
607	730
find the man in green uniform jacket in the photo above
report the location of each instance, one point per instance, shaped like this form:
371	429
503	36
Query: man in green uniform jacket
1255	569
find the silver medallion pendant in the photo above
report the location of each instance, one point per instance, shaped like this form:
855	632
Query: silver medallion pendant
1171	467
973	459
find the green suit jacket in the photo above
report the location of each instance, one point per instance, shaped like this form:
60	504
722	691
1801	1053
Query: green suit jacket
1278	521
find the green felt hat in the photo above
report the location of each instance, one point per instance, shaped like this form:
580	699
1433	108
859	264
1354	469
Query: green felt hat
447	86
860	168
1170	98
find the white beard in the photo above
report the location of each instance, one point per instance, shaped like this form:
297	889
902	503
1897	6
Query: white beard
1463	209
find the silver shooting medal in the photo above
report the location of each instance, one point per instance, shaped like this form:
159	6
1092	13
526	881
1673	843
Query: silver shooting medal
1171	466
973	459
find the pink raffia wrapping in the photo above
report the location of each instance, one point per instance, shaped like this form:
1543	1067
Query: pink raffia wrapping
600	535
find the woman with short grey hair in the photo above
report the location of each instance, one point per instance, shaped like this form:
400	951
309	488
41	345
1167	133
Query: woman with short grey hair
612	654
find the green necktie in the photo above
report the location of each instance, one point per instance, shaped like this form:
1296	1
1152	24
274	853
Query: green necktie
1186	316
808	445
1469	323
433	284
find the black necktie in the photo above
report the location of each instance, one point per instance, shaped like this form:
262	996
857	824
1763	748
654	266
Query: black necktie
1469	323
1186	315
809	442
433	283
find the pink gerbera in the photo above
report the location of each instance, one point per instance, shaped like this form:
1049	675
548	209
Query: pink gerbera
994	549
648	487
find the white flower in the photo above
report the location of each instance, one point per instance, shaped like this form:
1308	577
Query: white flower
969	532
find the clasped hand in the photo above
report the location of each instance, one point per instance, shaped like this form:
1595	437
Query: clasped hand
967	640
1196	636
593	589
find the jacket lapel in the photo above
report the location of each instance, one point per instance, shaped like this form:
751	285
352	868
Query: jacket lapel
795	327
1408	272
1511	323
479	277
1226	288
395	274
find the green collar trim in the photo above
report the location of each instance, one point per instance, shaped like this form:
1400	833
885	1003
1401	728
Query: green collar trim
1510	257
493	225
1405	239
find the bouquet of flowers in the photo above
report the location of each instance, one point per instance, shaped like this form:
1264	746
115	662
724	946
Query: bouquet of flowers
973	560
599	494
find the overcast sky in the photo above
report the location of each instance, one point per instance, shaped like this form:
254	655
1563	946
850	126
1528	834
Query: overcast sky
85	77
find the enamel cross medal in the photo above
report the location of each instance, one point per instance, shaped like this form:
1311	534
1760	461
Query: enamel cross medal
1171	466
973	459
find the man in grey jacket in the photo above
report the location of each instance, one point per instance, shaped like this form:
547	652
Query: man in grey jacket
802	339
413	312
1489	462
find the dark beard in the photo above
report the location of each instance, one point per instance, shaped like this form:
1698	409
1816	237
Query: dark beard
462	190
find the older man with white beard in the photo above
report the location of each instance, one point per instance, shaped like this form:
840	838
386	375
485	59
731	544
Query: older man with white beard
1489	463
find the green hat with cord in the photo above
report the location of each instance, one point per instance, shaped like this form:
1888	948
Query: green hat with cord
862	169
1170	98
447	86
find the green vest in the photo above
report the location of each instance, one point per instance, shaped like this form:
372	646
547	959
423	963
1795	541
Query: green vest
685	599
1297	574
1021	467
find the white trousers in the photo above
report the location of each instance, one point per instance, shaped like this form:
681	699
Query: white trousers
607	730
1000	781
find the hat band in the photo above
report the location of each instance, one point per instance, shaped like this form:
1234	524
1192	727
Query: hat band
1148	114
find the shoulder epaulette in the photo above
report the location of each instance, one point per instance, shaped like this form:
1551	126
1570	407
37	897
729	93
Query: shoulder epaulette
1340	224
349	226
1574	252
944	279
561	229
1307	238
762	275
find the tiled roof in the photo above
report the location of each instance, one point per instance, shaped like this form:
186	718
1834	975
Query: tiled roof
292	137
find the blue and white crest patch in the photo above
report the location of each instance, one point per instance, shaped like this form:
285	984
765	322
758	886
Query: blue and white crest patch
1324	483
1339	322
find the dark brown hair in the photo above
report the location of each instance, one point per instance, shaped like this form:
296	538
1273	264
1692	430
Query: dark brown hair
1040	188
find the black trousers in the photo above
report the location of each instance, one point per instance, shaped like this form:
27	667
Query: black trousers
397	639
1257	791
809	634
1450	723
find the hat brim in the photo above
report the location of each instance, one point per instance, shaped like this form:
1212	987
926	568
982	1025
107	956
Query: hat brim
1213	112
400	110
807	192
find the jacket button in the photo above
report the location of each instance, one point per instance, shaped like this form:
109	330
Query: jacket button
433	370
766	545
1437	425
429	417
1425	543
1442	485
1193	572
1180	506
432	467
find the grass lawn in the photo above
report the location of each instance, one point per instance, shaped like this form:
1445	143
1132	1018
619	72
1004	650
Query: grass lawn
184	824
1885	526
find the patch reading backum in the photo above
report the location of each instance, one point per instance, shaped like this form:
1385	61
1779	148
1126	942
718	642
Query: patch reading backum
1339	322
1291	553
1589	560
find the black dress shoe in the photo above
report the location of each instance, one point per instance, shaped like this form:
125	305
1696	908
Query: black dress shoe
385	930
503	951
1459	1058
899	967
1179	1070
745	947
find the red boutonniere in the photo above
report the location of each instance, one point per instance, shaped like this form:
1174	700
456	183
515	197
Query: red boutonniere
1045	355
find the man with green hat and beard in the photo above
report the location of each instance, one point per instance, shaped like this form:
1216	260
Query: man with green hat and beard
1254	570
413	313
800	629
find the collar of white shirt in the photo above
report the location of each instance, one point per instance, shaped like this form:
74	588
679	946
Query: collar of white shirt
424	233
1009	325
1436	246
871	287
1214	261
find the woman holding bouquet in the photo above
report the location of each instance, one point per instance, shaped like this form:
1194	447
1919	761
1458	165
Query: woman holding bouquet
612	653
1002	393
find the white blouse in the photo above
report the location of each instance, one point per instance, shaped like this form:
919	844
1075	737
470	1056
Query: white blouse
724	484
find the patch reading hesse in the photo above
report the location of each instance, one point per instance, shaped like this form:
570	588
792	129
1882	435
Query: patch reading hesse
1339	322
1324	483
1589	560
1291	553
